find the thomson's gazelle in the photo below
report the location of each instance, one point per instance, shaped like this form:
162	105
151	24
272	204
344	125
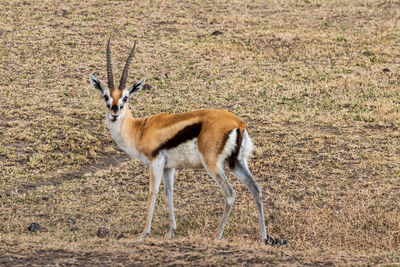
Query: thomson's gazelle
197	139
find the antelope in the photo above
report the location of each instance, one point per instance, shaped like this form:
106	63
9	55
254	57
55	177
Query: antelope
198	139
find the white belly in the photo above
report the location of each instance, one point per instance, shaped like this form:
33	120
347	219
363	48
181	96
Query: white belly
185	155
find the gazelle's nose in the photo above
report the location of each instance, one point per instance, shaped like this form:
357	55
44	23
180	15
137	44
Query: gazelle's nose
114	108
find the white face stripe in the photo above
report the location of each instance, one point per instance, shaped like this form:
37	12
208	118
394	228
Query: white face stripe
121	102
107	93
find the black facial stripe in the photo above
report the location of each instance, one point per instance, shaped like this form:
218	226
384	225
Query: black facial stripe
187	133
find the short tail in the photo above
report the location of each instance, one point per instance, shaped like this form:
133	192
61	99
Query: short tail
243	149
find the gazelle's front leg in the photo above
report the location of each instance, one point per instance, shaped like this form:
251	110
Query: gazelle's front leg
169	189
156	173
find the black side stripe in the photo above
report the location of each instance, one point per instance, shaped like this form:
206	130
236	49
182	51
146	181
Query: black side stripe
187	133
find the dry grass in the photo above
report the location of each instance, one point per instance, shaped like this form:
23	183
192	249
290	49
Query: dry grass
318	84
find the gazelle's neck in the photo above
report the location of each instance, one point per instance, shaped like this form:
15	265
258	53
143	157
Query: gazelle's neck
124	134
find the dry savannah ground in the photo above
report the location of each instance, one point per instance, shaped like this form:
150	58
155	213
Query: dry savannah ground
316	81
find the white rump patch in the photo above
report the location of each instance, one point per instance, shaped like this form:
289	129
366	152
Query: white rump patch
247	147
229	147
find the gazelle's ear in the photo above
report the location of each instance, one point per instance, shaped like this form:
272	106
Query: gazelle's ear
136	87
96	83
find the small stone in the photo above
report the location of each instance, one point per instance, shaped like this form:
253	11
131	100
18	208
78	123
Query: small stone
386	70
274	241
214	33
73	229
35	227
162	76
103	232
367	53
120	236
71	221
147	86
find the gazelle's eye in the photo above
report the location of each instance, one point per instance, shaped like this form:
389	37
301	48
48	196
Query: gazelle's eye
106	97
125	99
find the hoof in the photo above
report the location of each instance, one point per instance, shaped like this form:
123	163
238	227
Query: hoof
274	241
218	237
170	234
142	237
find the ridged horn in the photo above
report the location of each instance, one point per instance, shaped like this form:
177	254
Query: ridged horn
126	68
109	67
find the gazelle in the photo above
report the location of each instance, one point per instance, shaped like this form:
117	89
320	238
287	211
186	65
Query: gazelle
197	139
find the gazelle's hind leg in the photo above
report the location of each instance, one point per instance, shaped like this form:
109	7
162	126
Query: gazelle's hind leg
241	170
219	177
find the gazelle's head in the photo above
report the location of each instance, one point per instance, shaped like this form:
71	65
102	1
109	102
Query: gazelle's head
115	99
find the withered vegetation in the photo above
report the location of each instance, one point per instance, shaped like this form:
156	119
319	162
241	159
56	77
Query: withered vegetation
316	81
